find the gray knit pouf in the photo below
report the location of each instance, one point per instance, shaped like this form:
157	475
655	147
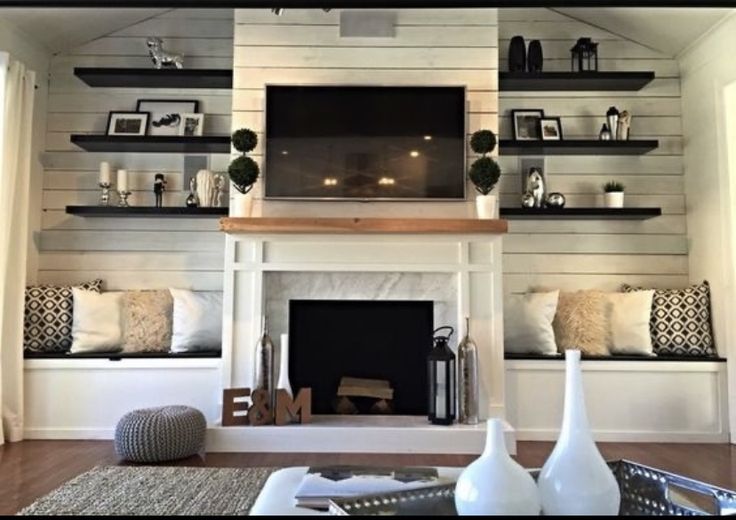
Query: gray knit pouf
160	434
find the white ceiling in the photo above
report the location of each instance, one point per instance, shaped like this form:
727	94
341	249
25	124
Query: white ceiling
59	29
668	30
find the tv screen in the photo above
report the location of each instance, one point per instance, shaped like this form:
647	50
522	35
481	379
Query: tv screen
365	142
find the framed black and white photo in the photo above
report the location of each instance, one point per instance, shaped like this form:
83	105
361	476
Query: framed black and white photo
550	128
191	124
127	123
166	114
526	124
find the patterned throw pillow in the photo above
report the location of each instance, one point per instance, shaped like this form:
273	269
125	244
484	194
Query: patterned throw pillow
49	309
147	319
681	321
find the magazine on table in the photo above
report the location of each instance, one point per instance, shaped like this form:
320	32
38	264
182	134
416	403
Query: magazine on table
321	484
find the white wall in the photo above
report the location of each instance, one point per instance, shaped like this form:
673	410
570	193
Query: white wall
131	253
431	47
707	68
23	48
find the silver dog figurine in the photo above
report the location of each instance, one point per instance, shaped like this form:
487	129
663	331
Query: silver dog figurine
535	186
161	58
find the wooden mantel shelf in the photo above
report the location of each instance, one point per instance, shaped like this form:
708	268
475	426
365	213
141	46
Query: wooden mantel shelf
362	225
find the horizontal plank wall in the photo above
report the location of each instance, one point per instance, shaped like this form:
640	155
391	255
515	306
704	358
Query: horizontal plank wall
131	253
430	47
597	254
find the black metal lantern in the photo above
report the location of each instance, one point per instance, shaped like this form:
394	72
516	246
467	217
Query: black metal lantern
584	56
441	361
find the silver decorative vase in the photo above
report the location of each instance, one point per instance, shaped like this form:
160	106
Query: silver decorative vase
264	368
467	366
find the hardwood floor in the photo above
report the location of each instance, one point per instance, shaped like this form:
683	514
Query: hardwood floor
31	469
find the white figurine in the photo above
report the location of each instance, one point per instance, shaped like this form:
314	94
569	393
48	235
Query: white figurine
535	186
161	58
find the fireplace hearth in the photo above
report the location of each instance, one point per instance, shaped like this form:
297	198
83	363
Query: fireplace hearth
379	348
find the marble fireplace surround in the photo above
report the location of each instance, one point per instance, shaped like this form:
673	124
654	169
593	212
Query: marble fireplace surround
268	264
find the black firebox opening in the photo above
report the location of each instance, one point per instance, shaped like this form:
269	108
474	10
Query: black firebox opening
385	340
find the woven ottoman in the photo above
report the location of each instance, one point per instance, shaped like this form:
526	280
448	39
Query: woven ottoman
160	434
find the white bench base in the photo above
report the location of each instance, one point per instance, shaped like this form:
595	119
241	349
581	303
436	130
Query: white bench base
84	398
627	401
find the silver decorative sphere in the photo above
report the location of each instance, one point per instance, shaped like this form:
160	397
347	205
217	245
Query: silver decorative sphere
555	200
527	200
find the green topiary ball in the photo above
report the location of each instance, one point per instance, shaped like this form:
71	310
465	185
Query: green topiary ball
243	172
484	173
244	140
483	141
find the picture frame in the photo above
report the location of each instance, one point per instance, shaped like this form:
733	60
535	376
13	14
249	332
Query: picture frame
191	125
525	124
127	123
166	114
550	129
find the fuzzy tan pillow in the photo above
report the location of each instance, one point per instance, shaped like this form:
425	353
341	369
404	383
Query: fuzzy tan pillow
147	317
582	322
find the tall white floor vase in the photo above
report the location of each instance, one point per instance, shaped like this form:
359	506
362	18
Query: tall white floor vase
576	480
283	381
495	484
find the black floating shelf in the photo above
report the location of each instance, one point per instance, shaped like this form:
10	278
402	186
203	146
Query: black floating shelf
156	78
146	211
153	143
549	81
577	147
580	213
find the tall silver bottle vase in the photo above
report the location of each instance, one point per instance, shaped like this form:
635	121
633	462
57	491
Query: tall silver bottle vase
467	366
264	369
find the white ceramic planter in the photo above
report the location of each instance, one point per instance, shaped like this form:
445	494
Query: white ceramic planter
495	484
614	199
486	206
576	480
241	205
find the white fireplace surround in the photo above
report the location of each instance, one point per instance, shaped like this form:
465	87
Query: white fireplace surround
461	273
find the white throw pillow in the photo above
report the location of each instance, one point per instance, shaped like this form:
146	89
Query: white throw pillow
629	318
527	323
97	321
197	323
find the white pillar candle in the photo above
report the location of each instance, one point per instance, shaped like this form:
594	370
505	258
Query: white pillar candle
104	173
122	180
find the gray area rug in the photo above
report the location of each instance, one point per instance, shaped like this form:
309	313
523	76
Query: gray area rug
155	490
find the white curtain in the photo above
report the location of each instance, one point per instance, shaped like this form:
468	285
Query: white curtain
16	122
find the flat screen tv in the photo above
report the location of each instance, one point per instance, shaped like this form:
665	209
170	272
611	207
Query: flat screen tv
355	142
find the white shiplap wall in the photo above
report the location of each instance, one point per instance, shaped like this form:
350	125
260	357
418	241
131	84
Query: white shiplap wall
131	253
430	47
601	254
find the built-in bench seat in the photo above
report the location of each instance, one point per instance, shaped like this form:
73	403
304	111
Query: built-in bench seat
628	398
82	396
684	359
114	356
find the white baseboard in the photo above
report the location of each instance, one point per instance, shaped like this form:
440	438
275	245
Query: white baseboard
613	436
68	434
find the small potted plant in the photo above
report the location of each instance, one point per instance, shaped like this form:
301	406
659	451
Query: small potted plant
243	172
484	173
613	194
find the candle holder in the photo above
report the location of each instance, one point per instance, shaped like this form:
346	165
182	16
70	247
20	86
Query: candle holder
124	198
105	195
